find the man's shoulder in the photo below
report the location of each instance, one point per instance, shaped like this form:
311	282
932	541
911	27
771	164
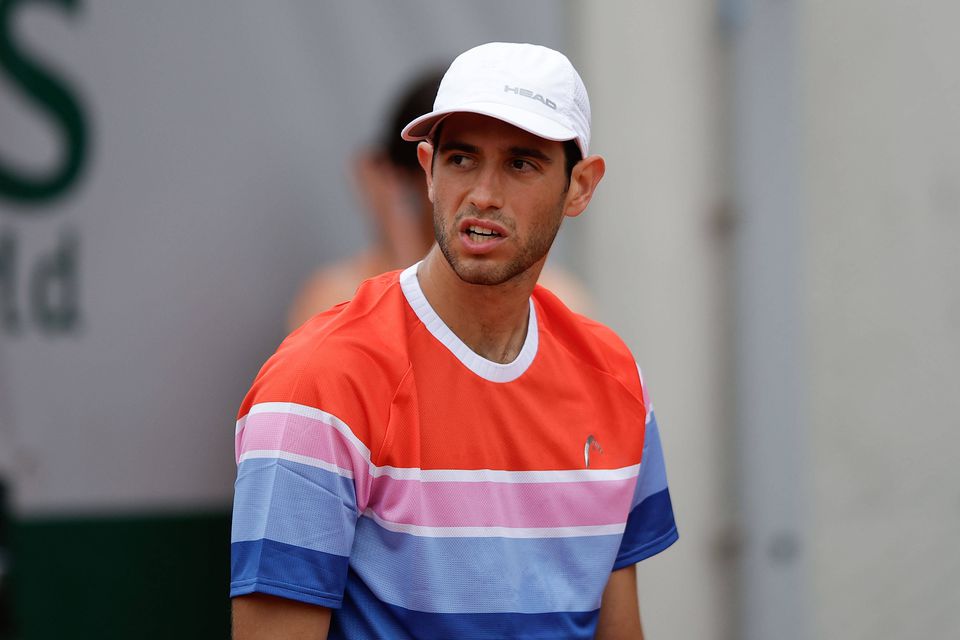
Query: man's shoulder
575	328
376	309
353	350
591	342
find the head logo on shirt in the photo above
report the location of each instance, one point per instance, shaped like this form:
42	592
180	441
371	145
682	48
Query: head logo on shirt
590	444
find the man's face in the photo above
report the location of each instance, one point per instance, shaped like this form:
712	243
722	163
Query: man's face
498	195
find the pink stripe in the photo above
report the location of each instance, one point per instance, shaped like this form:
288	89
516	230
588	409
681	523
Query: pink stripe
309	437
440	504
494	504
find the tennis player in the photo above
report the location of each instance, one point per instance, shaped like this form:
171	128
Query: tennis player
454	453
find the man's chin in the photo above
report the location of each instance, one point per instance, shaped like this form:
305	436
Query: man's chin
485	272
483	279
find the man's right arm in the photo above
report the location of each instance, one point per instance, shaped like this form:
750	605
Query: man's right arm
262	617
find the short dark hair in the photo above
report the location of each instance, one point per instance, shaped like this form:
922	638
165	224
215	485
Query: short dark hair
415	100
571	152
571	156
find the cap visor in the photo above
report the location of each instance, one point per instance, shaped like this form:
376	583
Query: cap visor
529	121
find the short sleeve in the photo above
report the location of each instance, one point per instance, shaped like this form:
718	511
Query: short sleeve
650	526
301	479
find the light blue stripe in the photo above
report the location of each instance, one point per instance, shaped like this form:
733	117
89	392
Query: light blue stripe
653	473
295	504
477	575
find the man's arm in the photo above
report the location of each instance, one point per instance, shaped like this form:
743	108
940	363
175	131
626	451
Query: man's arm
262	617
620	608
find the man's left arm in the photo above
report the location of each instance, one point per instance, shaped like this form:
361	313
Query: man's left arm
620	608
650	528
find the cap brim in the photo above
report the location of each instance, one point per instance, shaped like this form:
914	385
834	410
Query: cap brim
421	128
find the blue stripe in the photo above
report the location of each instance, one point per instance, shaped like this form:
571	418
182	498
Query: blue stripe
653	473
278	569
295	504
650	530
364	616
475	575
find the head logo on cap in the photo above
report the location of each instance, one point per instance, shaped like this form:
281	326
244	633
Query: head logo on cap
526	85
527	93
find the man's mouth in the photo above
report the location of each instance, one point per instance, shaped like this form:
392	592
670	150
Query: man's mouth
481	234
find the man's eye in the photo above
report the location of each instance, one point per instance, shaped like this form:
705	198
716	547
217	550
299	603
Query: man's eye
521	165
459	160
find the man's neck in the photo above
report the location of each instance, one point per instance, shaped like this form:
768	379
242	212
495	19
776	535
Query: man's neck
490	319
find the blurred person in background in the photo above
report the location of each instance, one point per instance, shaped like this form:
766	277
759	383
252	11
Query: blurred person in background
454	453
390	182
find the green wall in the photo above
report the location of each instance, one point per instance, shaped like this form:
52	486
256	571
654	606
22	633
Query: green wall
121	577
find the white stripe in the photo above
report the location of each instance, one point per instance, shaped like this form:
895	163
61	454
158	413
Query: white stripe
505	477
296	457
497	532
647	405
432	475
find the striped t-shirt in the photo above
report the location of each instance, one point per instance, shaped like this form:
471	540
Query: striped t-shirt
421	491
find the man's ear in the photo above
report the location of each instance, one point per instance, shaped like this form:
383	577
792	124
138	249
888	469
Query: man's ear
584	178
425	156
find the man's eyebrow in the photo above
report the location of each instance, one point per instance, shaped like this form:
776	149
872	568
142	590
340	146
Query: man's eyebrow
525	152
454	145
531	152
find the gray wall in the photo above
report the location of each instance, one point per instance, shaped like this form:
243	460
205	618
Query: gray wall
881	90
821	140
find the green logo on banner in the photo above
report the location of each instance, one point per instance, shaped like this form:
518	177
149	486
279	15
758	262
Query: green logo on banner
51	95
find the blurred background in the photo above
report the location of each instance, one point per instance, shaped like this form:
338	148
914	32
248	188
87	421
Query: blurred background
777	239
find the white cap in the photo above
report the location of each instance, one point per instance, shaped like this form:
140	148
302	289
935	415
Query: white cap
526	85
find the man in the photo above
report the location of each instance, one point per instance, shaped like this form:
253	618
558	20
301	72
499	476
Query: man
453	453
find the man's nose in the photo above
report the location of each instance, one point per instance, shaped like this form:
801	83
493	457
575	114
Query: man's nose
487	191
